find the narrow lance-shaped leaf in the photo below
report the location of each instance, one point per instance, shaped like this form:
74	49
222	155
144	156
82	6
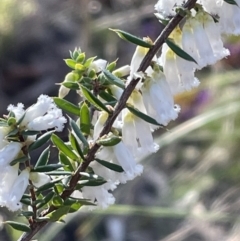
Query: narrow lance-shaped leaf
19	226
40	141
232	2
131	38
19	160
114	80
111	166
75	145
93	99
142	115
58	214
111	140
44	157
178	51
79	134
67	106
47	168
63	147
85	119
66	162
71	85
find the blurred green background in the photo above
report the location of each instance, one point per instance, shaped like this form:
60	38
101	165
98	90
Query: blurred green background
190	189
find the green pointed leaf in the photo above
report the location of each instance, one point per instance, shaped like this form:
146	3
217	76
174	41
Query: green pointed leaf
70	63
75	145
111	166
59	173
41	141
93	99
111	66
114	80
44	157
71	85
47	168
19	160
131	38
85	119
232	2
66	162
58	214
45	200
89	61
63	147
178	51
57	201
19	226
21	119
109	140
30	133
142	115
13	133
26	213
92	183
26	200
66	106
79	134
106	96
48	185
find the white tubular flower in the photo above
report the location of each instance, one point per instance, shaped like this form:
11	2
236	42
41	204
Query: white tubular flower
99	124
167	7
99	195
8	153
229	15
8	175
3	132
43	115
120	155
158	99
53	119
136	135
116	91
39	179
98	65
17	190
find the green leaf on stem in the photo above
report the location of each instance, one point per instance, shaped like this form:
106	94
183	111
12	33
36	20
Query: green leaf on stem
58	214
63	147
85	119
40	141
75	145
93	99
178	51
66	106
131	38
19	226
67	165
109	165
70	63
110	140
143	116
19	160
45	200
44	157
112	79
47	168
71	85
232	2
79	134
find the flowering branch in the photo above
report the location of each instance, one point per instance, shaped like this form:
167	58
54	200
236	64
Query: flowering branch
119	107
115	119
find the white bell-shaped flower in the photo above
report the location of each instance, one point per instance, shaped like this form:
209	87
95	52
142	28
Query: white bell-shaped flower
158	99
166	7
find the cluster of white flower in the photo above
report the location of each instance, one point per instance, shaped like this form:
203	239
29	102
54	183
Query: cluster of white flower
43	115
200	37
